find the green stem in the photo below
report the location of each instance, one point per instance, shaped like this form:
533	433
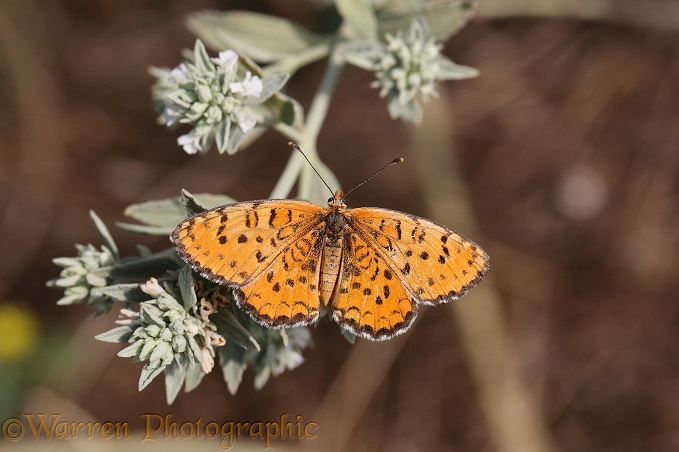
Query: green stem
319	106
308	137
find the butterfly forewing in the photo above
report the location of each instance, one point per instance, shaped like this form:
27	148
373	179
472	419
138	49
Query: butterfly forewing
434	263
236	243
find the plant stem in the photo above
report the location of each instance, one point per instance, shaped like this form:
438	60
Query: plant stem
308	137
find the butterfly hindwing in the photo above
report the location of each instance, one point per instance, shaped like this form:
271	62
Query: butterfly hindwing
369	300
285	294
434	263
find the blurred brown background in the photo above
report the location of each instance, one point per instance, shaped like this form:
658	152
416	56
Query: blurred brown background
567	145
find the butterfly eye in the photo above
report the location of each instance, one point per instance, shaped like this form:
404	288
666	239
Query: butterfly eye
330	199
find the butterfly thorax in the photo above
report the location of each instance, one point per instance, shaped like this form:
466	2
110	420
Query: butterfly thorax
331	259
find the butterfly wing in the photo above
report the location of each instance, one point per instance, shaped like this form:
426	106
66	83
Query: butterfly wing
286	293
256	247
432	262
370	301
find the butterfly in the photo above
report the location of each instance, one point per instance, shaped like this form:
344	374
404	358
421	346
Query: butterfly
371	267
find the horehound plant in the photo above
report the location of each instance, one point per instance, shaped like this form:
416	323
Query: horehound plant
175	321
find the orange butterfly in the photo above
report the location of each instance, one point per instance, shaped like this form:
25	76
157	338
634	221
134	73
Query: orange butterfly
370	266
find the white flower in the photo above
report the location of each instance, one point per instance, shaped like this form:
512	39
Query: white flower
407	68
190	142
127	316
213	96
226	60
250	86
172	114
84	276
207	362
167	332
179	75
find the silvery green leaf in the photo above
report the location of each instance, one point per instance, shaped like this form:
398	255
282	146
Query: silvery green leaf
261	377
179	343
251	136
410	112
170	212
291	113
445	18
192	205
292	63
232	360
299	337
66	261
131	350
105	235
451	71
148	373
73	297
262	37
194	375
144	251
124	292
147	267
285	109
147	348
146	230
161	352
66	281
222	132
174	380
270	85
232	330
236	137
181	98
95	280
152	313
186	287
200	57
197	353
360	16
364	54
118	334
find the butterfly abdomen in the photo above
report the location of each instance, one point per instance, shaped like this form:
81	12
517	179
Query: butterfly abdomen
330	267
331	259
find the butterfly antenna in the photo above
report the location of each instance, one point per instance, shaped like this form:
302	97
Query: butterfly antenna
294	146
393	162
